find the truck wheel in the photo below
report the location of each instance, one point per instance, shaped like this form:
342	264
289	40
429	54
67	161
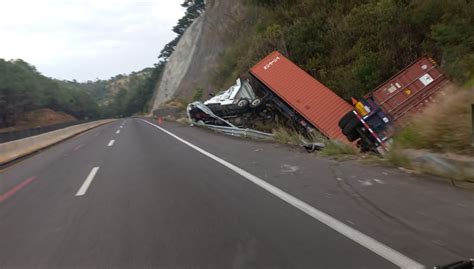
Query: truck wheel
243	103
256	102
353	136
351	126
364	147
346	119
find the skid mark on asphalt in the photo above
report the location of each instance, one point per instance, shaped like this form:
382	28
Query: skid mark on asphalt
16	189
78	147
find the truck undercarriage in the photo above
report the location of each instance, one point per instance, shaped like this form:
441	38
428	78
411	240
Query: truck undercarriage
244	106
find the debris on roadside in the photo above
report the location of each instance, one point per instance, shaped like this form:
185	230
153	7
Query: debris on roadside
314	146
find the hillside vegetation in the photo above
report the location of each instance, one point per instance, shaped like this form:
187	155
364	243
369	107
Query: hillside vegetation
39	117
121	95
352	46
23	88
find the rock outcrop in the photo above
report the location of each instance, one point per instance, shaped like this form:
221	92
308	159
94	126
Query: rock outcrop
191	64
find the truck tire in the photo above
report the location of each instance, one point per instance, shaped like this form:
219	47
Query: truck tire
346	119
353	136
351	127
255	103
242	103
363	146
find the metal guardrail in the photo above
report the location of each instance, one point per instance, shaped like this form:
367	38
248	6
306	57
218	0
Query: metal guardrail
235	131
15	135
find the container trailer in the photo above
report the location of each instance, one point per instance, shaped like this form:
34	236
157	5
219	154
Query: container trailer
377	116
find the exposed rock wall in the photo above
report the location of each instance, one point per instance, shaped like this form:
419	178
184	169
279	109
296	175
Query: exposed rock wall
191	64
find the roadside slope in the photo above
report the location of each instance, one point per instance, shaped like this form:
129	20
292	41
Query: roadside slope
192	64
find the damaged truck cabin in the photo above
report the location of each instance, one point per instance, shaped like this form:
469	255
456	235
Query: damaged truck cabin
280	87
236	105
387	107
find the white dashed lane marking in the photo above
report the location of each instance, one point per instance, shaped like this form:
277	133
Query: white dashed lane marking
88	182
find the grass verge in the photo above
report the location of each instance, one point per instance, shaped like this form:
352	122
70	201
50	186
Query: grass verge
286	136
335	148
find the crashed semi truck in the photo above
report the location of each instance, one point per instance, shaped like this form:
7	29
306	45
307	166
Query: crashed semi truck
378	115
276	87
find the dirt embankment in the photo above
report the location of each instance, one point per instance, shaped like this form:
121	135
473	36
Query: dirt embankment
38	118
192	63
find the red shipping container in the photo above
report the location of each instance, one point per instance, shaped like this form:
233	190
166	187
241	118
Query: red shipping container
312	100
410	89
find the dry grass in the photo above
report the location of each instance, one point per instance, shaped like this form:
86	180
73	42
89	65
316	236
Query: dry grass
445	126
333	148
286	136
182	120
338	148
38	118
267	127
396	158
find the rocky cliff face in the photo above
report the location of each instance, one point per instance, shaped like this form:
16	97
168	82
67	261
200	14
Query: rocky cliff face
191	64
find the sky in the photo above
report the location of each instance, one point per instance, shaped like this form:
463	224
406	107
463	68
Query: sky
87	39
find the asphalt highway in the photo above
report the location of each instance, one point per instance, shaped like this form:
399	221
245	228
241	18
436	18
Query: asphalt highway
138	194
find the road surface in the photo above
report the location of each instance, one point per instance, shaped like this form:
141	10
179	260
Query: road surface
137	194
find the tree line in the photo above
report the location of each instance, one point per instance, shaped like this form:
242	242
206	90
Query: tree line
23	88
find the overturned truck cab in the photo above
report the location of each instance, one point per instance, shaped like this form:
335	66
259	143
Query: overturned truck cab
234	106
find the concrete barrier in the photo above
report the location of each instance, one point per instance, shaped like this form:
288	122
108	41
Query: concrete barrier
15	149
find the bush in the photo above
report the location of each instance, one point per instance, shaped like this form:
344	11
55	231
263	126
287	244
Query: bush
198	94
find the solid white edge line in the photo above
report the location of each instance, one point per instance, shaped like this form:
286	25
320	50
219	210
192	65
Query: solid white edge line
87	182
111	143
364	240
